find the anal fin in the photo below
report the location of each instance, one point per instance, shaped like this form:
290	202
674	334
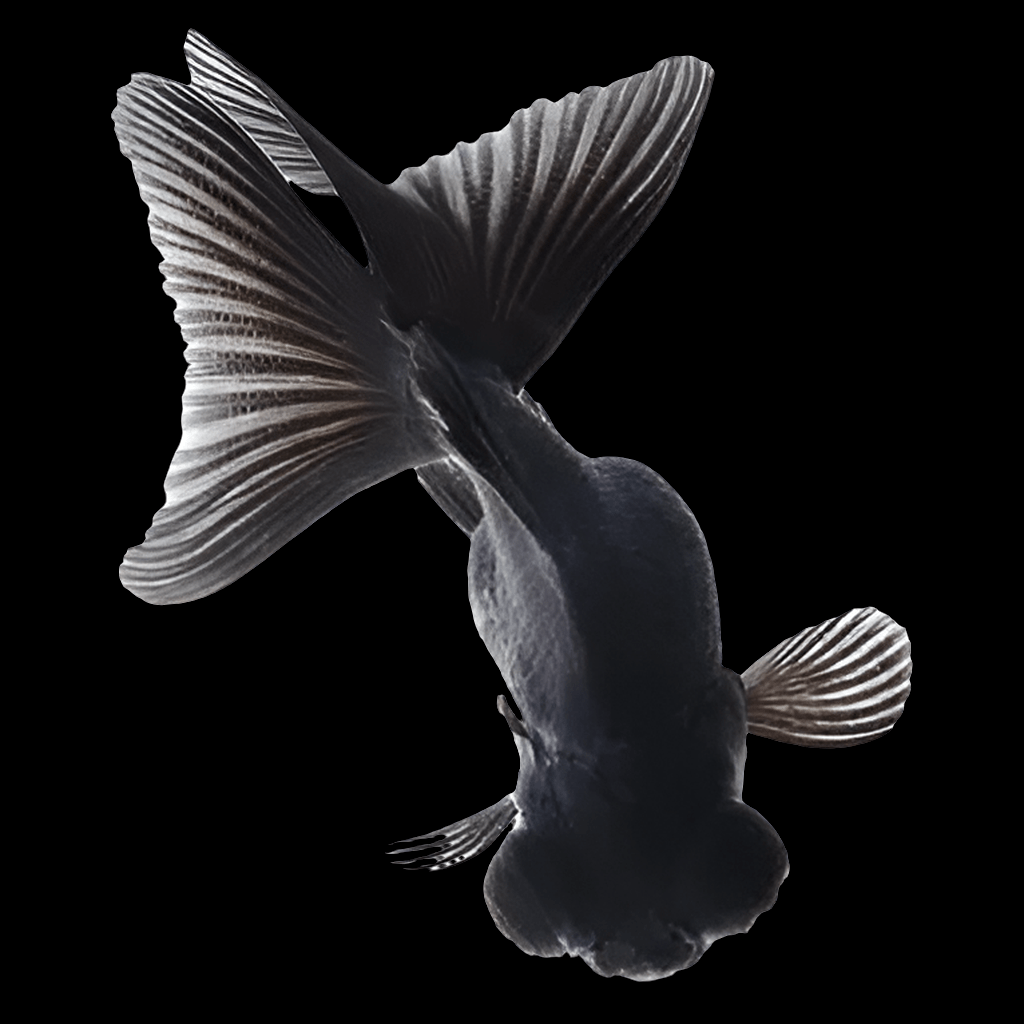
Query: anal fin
839	684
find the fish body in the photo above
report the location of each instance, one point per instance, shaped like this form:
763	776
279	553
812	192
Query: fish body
311	378
631	773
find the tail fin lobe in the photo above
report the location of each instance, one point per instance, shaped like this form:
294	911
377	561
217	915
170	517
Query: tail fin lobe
295	393
498	246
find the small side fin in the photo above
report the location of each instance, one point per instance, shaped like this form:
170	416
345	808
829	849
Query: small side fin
456	843
839	684
515	724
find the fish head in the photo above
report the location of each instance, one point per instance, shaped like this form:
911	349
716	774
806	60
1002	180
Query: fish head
634	883
542	917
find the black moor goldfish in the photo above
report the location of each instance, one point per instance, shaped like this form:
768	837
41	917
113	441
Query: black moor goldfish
311	378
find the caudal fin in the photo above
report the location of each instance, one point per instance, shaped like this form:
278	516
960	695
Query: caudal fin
838	684
300	388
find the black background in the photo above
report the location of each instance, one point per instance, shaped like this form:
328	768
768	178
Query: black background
258	748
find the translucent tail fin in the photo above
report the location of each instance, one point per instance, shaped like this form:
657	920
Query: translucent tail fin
300	389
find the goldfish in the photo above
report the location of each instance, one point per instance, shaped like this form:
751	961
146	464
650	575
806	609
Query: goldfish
311	378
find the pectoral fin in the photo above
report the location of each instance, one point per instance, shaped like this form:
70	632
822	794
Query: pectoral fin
838	684
456	843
